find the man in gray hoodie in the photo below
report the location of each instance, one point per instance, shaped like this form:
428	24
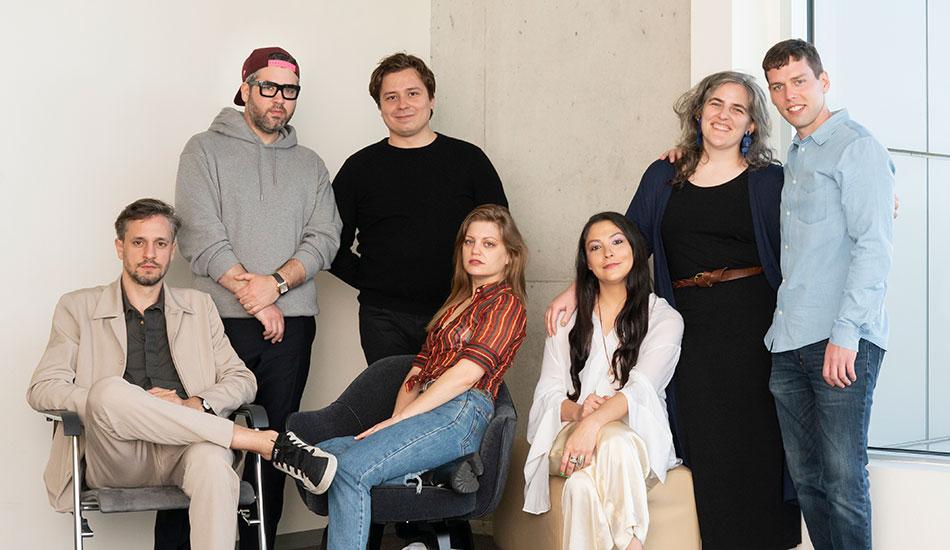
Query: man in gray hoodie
260	221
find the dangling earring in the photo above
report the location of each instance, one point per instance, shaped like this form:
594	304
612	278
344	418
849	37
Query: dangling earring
746	143
699	132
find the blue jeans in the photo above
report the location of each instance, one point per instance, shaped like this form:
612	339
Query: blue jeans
419	443
825	433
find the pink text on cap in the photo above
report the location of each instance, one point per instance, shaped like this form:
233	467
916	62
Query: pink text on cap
282	64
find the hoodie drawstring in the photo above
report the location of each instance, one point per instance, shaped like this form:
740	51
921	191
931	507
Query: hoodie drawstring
260	169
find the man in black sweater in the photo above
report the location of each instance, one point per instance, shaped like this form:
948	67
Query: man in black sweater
403	199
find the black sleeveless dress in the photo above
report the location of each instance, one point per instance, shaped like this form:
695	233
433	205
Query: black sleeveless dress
725	412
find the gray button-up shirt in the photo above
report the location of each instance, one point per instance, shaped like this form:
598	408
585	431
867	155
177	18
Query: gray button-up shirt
837	224
148	359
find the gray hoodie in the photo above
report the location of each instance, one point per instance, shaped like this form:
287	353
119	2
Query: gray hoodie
243	201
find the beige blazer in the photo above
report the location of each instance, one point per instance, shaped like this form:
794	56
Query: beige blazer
88	343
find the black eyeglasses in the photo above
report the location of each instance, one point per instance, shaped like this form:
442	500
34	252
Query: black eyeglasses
270	89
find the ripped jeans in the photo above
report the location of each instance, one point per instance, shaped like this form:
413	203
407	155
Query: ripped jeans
417	444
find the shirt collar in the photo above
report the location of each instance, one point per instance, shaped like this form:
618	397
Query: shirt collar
158	305
490	289
826	130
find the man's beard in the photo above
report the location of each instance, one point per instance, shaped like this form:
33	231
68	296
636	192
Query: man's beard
260	120
144	280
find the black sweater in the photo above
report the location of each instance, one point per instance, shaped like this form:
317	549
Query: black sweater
406	206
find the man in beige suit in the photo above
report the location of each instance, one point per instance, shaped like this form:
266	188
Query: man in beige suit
153	377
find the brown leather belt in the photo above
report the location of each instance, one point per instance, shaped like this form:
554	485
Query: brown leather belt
707	279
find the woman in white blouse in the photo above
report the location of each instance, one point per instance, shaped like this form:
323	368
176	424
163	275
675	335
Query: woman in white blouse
602	388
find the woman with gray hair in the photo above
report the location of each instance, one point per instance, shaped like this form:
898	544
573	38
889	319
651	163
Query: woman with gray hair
711	221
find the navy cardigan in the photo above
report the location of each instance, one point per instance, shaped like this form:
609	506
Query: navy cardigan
646	211
649	204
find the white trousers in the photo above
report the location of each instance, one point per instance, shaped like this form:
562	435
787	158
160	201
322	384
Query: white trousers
605	504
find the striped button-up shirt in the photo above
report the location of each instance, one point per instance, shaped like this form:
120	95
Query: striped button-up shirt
488	333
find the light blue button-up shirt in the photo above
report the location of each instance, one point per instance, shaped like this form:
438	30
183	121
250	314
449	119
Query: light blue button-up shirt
837	223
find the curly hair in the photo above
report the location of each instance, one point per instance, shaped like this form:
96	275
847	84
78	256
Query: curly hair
689	107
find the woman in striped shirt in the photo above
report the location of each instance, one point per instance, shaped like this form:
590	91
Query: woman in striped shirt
444	405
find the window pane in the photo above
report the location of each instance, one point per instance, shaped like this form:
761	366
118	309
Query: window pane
939	297
882	82
939	75
900	405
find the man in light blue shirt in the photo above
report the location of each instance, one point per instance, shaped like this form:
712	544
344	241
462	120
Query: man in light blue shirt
829	330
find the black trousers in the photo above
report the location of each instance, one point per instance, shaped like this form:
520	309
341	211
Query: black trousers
385	332
281	371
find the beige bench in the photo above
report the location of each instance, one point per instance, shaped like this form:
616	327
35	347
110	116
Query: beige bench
673	524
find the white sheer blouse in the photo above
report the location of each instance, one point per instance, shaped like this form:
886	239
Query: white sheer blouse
645	392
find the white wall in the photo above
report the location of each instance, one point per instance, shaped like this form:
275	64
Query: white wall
734	35
98	100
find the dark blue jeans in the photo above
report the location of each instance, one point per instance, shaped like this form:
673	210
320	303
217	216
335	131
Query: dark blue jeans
825	432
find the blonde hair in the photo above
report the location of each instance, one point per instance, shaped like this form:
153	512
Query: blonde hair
514	244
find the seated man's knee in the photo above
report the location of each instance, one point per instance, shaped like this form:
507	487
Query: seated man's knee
104	394
207	463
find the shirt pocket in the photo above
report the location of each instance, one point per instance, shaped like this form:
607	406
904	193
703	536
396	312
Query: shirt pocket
813	200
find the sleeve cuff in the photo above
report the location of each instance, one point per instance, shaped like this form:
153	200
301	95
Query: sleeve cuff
221	263
481	356
309	262
845	335
419	361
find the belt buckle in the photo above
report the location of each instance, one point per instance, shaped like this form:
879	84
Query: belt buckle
702	279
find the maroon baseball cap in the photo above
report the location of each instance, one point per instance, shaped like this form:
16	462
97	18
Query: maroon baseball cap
266	57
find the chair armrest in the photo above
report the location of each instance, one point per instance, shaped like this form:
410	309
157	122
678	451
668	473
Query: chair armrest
254	415
460	475
72	425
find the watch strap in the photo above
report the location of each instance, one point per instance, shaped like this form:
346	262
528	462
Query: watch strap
207	406
282	287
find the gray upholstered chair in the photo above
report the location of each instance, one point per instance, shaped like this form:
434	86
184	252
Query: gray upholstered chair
438	514
141	499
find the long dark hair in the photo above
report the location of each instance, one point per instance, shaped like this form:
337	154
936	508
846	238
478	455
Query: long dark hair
633	319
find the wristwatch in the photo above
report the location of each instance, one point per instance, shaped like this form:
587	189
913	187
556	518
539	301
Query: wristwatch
282	287
207	408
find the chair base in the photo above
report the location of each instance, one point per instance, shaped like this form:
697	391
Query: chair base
436	535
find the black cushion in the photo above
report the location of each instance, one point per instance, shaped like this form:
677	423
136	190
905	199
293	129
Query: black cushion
370	399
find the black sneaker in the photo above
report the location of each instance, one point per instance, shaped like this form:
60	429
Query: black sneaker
313	468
